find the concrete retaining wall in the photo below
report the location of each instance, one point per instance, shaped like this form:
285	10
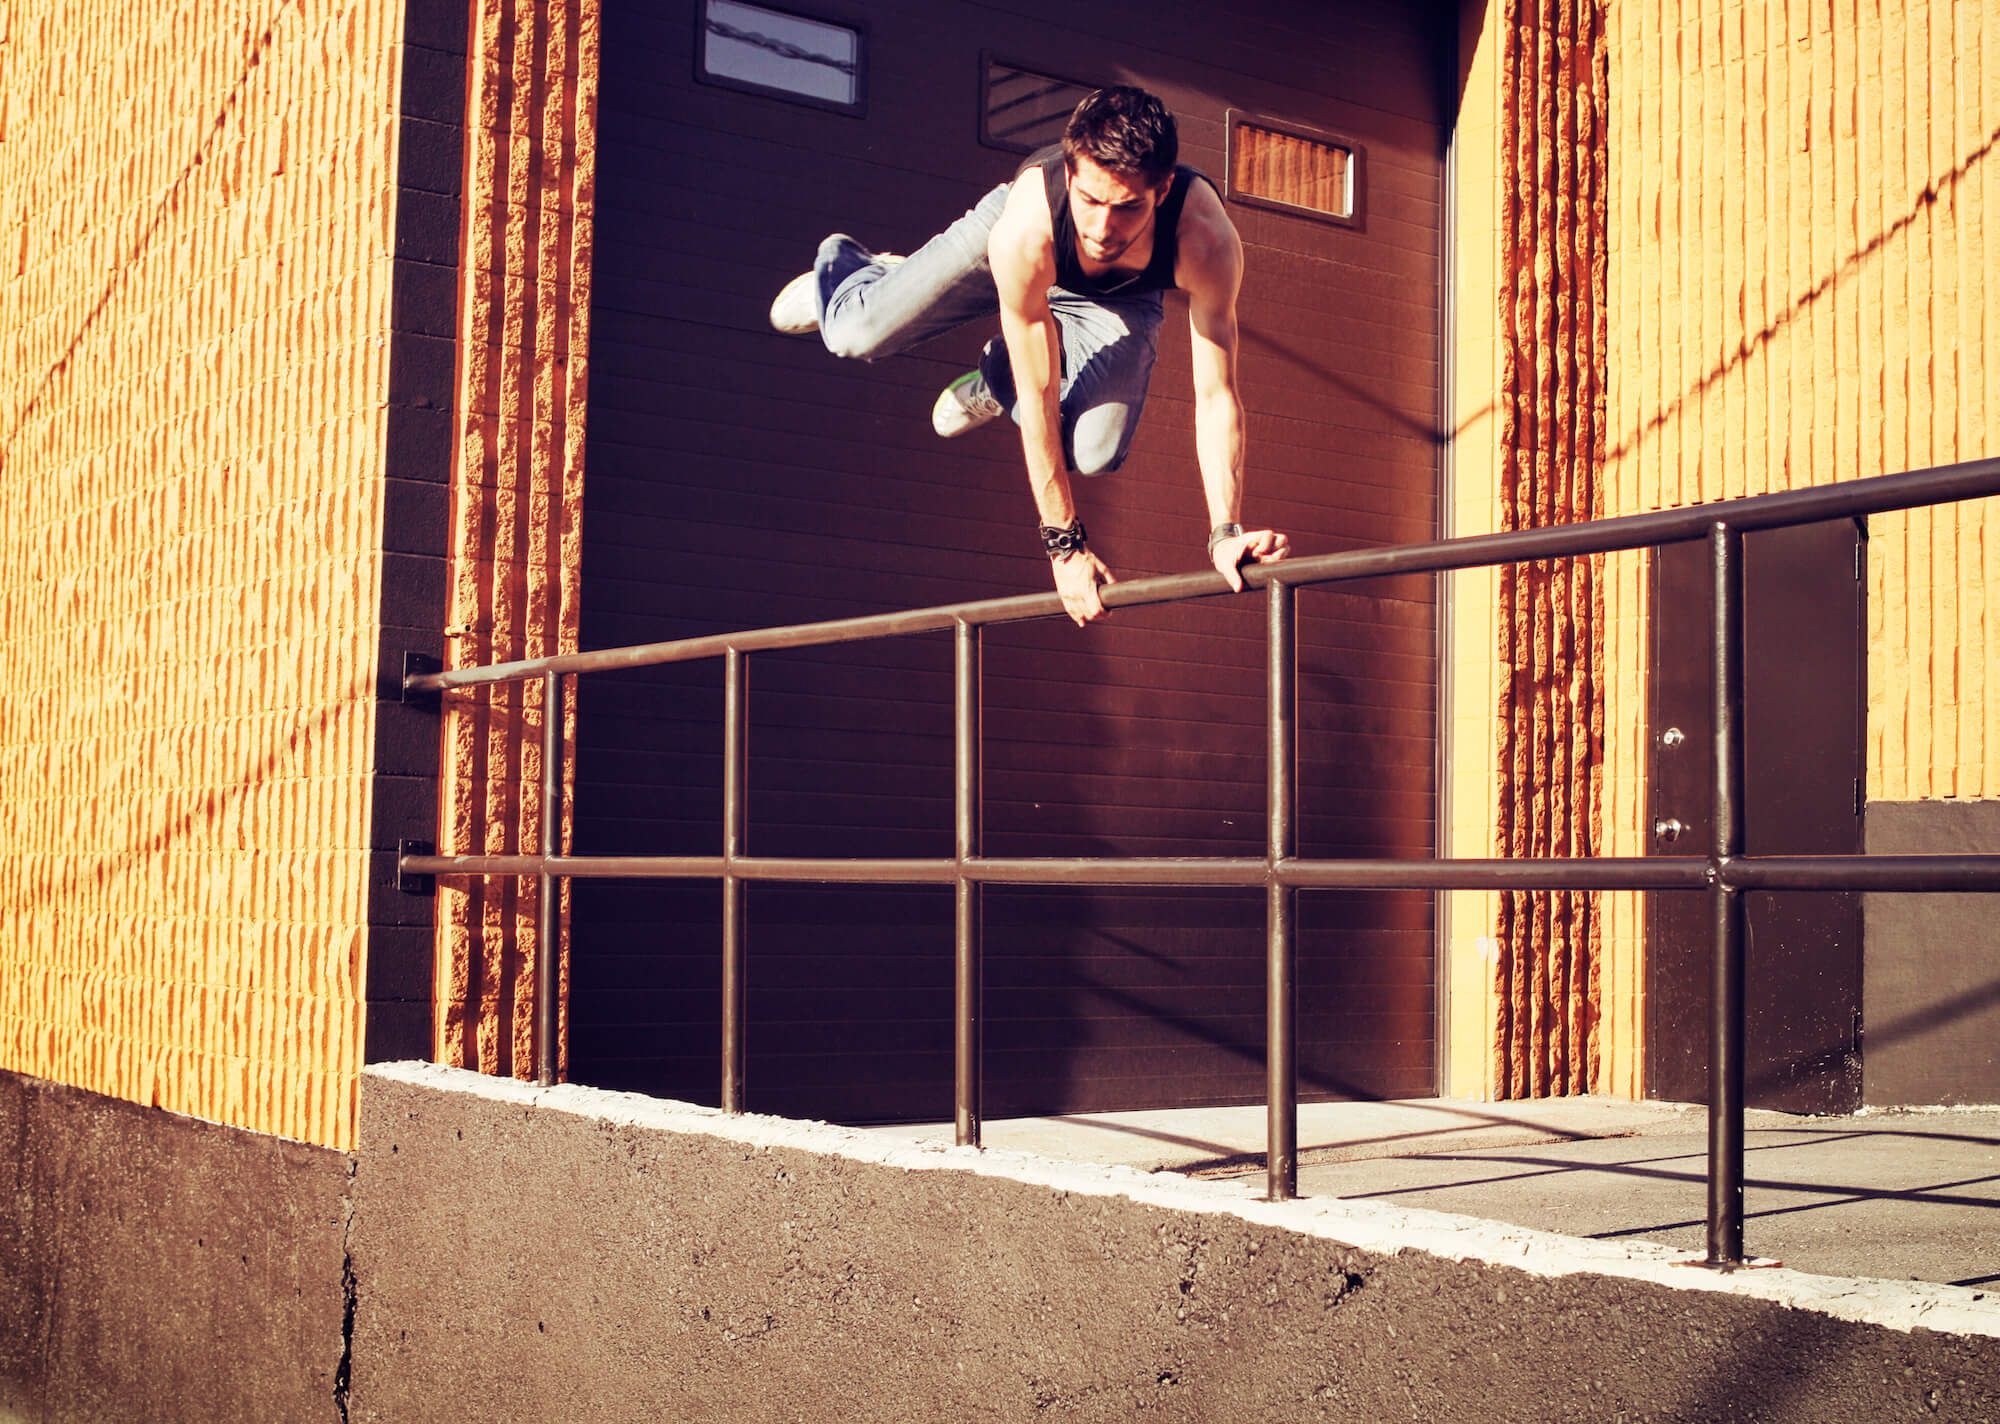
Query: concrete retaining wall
155	1267
526	1254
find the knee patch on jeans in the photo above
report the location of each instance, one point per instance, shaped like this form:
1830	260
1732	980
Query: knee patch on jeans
1102	436
856	339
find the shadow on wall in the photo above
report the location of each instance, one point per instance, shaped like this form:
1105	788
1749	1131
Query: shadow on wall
1749	346
122	271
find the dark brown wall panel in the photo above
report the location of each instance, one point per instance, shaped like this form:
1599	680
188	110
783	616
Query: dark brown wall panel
736	478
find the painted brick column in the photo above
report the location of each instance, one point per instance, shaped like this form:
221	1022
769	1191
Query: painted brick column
1553	81
518	493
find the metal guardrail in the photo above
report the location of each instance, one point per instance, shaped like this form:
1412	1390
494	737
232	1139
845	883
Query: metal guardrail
1725	872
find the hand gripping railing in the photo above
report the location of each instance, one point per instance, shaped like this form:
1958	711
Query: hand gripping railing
1725	872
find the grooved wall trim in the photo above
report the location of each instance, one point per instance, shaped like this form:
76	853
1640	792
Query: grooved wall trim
517	496
196	215
1548	615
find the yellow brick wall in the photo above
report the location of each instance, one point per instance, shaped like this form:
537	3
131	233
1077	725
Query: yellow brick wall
1803	200
1805	204
195	220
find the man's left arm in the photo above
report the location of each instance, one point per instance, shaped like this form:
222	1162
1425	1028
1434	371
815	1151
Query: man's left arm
1211	272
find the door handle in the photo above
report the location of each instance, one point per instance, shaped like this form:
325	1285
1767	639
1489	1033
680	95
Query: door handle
1669	829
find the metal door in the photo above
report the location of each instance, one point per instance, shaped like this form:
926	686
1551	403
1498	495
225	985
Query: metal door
1804	670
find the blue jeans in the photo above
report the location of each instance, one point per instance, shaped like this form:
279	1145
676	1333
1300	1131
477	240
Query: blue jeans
869	310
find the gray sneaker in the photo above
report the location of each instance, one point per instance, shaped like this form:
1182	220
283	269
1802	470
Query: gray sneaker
795	311
965	404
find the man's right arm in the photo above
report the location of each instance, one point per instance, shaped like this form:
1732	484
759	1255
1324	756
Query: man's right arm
1021	251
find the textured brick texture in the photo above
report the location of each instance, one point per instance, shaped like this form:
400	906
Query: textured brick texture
1548	614
196	215
517	497
1527	702
1804	201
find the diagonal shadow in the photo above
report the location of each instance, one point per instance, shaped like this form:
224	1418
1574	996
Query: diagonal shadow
1653	1169
1227	1157
1403	420
1751	345
1933	1195
122	272
55	890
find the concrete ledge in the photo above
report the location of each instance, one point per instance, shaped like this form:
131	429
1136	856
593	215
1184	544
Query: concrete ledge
156	1267
530	1254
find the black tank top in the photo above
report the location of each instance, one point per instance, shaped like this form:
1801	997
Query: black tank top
1158	275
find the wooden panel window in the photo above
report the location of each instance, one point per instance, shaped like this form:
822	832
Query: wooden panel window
1294	169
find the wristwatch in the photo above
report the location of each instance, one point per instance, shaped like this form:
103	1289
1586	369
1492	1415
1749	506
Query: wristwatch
1221	532
1062	542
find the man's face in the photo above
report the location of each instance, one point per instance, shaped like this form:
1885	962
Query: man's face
1111	210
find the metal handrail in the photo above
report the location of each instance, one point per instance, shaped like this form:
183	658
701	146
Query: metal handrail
1726	872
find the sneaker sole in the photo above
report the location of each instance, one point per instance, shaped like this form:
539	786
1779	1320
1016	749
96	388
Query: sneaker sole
949	410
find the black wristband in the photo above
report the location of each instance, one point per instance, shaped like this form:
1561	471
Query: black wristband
1061	543
1221	532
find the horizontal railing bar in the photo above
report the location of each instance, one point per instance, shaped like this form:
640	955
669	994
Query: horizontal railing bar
1912	873
1665	872
1847	499
1160	871
573	867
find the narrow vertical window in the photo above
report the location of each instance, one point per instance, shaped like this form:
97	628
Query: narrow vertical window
767	51
1023	110
1294	169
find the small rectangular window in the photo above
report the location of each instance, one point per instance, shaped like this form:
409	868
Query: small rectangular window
1294	169
1022	110
767	51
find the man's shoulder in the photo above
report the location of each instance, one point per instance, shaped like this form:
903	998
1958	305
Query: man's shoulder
1025	230
1209	247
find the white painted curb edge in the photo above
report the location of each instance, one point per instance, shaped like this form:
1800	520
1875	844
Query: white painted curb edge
1368	1226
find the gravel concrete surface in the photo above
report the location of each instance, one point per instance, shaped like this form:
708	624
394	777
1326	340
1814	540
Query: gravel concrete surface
1901	1195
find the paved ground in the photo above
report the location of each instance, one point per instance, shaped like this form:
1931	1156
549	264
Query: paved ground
1903	1195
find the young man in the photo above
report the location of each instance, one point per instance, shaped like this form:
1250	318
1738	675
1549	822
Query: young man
1076	255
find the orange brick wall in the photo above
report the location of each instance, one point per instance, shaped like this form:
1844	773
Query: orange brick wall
195	227
1804	197
1807	203
517	495
1524	977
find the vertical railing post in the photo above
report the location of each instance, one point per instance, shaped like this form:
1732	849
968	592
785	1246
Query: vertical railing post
967	959
1726	1031
735	755
546	974
1281	949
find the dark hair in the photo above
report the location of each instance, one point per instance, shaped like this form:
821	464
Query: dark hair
1126	130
